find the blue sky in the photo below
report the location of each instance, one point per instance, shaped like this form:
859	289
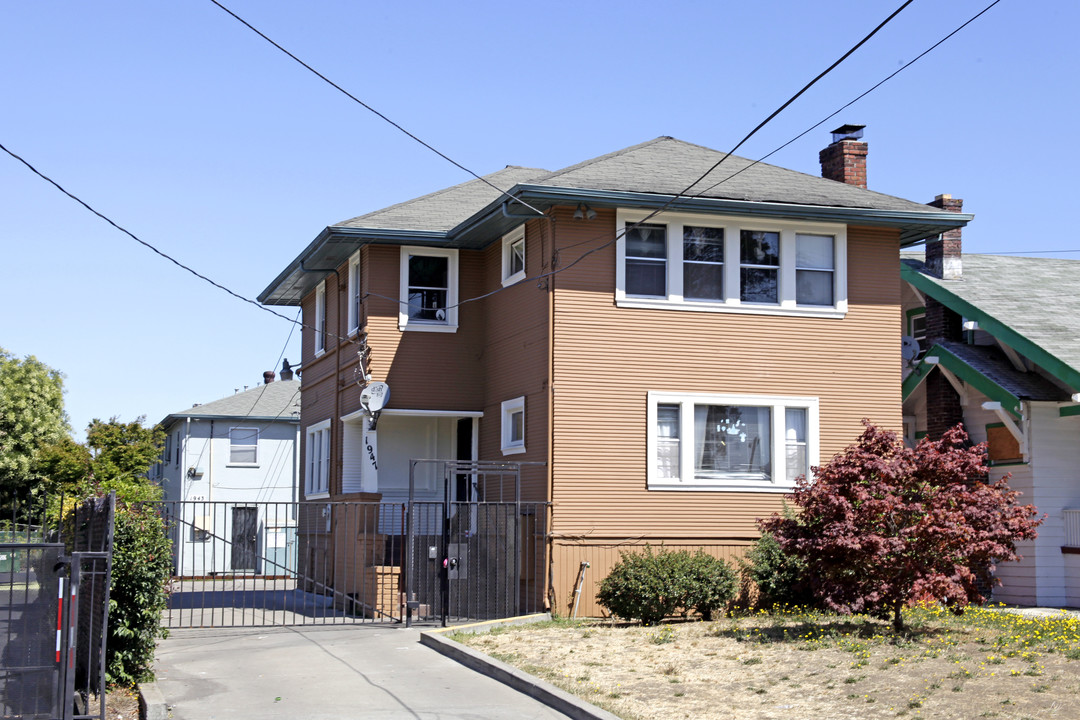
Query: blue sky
192	132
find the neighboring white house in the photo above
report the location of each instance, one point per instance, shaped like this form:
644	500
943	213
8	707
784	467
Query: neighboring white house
999	349
230	471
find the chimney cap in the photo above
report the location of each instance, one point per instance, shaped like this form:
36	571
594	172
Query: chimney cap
847	132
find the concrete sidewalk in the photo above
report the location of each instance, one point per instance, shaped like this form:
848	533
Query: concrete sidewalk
342	671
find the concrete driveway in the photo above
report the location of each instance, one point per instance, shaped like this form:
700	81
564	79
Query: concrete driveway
351	671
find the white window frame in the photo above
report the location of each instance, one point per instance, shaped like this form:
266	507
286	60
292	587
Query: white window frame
510	446
235	463
450	324
354	293
732	226
320	319
778	450
509	240
317	460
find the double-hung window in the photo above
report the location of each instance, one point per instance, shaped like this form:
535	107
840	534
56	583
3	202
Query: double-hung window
700	441
429	289
354	293
646	260
317	455
513	256
320	318
513	426
243	446
714	263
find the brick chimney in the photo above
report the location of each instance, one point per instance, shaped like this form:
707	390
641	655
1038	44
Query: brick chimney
845	159
943	254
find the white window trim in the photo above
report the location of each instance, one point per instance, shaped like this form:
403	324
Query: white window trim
732	225
354	289
320	318
323	430
230	463
451	324
508	241
509	407
686	401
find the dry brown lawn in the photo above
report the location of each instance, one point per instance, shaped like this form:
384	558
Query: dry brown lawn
988	664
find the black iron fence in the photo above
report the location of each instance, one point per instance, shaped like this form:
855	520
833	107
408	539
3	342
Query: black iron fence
258	564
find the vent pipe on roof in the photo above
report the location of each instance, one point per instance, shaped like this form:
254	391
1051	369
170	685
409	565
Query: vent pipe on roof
845	159
268	377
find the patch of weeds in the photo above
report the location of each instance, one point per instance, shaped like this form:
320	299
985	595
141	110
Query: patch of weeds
670	669
663	636
752	661
1039	688
756	690
852	679
958	688
675	681
679	693
582	678
1073	654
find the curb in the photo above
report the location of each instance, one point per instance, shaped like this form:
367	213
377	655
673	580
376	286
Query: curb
152	704
556	698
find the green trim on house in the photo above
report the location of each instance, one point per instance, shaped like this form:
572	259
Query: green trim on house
915	312
965	372
1069	411
1067	374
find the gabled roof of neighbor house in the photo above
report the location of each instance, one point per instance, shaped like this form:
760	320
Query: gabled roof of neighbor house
1030	304
988	370
276	401
474	214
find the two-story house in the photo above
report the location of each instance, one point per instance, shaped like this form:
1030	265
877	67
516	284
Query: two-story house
230	474
672	360
997	347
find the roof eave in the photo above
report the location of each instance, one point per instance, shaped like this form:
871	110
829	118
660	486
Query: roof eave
914	225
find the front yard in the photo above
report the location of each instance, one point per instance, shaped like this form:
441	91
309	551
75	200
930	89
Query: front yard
807	665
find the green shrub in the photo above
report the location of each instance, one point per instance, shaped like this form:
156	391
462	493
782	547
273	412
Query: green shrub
650	586
780	578
141	569
709	584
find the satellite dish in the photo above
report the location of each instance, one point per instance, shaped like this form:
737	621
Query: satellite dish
909	348
374	397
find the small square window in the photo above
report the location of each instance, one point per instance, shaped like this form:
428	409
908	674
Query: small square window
243	446
513	426
429	289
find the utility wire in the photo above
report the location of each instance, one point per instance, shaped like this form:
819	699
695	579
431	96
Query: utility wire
372	110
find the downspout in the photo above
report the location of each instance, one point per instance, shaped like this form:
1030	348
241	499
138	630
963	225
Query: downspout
183	458
210	467
550	594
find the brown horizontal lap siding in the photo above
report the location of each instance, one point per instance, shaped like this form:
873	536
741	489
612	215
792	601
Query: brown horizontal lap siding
606	359
515	361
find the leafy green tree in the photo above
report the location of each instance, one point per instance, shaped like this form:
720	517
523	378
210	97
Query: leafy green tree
121	457
31	417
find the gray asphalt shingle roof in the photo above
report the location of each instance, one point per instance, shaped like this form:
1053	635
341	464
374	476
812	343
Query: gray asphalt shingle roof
1037	298
277	400
992	364
664	166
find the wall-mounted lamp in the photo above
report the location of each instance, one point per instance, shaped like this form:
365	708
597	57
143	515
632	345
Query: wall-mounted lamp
584	211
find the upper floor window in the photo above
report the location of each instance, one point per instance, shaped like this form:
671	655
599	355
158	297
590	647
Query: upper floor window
317	454
354	293
243	446
513	256
429	289
699	441
320	318
731	264
513	426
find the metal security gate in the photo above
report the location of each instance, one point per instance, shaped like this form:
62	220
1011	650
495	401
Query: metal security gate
54	615
318	562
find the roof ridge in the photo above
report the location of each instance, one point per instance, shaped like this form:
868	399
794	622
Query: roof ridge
606	156
439	192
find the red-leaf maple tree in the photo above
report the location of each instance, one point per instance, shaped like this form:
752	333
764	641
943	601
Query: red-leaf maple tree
883	523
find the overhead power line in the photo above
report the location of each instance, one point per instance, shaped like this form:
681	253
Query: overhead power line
375	112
